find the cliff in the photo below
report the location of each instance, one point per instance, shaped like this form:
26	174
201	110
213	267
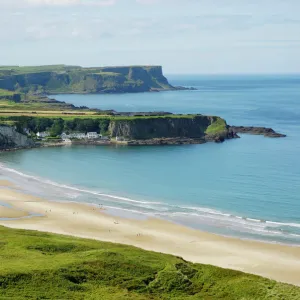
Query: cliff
10	139
206	128
68	79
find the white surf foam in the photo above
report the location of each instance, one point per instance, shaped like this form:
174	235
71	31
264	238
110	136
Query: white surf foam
46	181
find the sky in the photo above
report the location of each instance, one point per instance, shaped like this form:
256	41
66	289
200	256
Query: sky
184	36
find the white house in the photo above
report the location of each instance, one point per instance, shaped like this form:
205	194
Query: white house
42	134
92	135
75	135
64	136
78	135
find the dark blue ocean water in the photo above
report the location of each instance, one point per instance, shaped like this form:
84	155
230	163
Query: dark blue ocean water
249	187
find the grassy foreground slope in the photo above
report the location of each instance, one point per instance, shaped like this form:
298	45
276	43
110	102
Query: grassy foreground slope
37	265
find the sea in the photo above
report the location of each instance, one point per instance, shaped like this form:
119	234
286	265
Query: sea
247	188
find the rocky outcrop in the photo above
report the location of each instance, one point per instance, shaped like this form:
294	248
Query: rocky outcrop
48	80
267	132
166	141
10	139
221	136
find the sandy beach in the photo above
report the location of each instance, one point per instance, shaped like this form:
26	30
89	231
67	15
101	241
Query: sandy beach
278	262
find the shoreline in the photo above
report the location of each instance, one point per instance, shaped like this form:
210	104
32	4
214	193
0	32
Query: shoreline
130	143
90	221
213	220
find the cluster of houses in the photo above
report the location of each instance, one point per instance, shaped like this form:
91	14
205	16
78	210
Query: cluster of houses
81	135
74	135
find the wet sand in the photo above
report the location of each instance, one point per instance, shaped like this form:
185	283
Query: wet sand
278	262
6	183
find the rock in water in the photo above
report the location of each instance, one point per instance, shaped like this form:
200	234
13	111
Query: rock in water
267	132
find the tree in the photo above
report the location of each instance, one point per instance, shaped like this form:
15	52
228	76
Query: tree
70	125
103	126
57	127
42	124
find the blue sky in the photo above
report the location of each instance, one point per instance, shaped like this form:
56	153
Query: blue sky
184	36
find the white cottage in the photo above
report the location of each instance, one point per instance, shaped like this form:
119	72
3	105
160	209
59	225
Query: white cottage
78	135
74	135
42	134
92	135
64	136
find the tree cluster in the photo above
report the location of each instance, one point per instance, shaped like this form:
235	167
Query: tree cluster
56	126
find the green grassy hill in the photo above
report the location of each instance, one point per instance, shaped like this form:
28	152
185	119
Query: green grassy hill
38	265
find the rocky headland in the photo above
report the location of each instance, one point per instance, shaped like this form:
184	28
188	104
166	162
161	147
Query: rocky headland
131	130
60	79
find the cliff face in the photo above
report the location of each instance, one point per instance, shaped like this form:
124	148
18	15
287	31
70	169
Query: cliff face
85	80
169	127
10	138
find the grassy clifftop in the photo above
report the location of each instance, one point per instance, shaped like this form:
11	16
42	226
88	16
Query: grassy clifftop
75	79
38	265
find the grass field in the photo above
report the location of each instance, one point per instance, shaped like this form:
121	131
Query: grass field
37	265
4	93
9	109
217	126
7	106
35	69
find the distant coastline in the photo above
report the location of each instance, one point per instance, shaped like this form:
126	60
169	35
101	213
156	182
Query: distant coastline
63	79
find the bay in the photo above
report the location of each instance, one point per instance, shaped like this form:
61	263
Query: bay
249	187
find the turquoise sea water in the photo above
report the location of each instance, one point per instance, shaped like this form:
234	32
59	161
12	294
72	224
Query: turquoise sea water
248	187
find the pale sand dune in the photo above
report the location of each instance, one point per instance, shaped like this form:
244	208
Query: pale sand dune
278	262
